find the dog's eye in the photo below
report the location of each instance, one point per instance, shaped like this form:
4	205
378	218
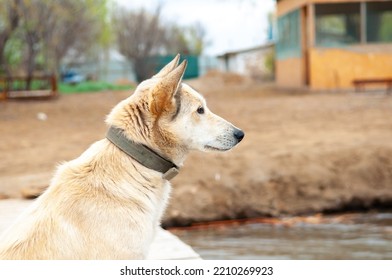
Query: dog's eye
200	110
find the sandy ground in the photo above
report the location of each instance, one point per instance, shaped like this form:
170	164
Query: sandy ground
302	152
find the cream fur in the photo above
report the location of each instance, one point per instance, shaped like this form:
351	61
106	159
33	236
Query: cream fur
104	204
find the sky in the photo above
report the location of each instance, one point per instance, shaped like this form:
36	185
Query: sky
230	24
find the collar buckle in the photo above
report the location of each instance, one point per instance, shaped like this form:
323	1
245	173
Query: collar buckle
171	173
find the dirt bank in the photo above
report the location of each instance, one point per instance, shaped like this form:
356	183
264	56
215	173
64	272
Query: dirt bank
302	152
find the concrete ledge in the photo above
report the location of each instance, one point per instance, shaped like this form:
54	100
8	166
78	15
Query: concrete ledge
166	246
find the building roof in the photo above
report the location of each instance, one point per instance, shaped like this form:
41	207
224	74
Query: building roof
257	48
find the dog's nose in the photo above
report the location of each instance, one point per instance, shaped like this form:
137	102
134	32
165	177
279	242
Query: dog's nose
239	135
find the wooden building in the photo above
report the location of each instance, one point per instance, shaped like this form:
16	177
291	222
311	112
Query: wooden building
327	44
249	62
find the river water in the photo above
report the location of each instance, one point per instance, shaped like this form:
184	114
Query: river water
350	236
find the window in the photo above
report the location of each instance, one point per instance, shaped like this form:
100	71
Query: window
289	35
337	24
379	21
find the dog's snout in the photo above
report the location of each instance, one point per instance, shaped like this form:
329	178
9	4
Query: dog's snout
239	135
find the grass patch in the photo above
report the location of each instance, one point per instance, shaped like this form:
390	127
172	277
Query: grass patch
90	86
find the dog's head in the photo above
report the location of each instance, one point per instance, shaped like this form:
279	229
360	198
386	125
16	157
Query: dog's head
172	118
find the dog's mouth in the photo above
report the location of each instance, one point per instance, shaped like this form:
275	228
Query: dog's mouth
211	148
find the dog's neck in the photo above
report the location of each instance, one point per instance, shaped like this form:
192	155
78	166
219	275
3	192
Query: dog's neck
142	154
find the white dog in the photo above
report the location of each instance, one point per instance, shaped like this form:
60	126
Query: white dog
107	203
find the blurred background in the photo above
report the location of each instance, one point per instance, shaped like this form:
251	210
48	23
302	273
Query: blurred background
309	81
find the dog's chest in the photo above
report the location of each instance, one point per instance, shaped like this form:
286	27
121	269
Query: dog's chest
162	200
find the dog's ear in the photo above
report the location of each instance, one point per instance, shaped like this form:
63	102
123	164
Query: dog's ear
162	95
168	68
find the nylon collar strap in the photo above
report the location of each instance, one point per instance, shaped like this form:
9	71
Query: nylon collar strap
142	154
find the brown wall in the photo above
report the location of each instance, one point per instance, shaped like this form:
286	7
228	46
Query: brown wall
286	6
290	73
337	68
283	7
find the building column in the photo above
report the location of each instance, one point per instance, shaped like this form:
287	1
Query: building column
363	23
311	26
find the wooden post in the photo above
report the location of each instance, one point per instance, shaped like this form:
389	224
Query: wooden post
3	92
311	26
53	81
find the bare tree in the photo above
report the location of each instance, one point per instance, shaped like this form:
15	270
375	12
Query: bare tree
139	36
186	39
71	28
9	21
32	13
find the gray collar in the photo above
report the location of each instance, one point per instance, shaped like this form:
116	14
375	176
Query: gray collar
142	154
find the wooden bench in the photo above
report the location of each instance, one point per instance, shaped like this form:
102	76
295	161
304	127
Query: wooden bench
360	84
17	88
